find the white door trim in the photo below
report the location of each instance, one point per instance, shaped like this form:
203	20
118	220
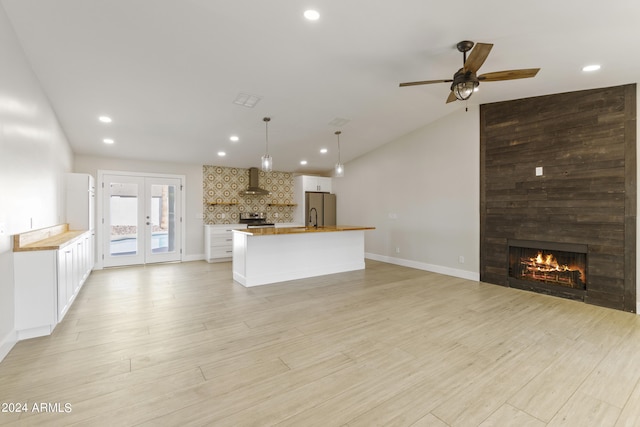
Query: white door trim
100	214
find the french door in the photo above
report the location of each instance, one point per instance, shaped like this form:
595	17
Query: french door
142	219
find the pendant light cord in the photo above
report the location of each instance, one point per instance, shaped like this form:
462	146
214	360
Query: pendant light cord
266	130
338	135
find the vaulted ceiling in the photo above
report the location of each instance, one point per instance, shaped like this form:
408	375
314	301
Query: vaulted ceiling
169	72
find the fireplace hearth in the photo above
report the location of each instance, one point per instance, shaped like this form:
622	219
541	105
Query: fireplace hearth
558	269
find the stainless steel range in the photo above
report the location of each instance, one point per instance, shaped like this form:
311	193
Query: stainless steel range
255	220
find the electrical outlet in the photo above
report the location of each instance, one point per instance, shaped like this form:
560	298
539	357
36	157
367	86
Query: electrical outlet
461	259
3	229
397	249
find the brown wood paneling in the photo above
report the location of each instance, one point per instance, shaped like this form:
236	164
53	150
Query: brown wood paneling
586	143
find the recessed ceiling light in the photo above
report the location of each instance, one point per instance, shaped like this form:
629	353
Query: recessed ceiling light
303	162
323	150
593	67
221	153
108	141
311	15
105	119
234	138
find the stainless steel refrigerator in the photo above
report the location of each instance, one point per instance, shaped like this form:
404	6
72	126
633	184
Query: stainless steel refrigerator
325	209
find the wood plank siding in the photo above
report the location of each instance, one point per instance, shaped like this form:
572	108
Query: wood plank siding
586	144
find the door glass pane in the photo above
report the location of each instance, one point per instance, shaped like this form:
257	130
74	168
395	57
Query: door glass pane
123	219
162	218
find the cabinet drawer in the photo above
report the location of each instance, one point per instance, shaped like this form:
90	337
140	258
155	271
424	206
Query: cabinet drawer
218	231
220	252
221	240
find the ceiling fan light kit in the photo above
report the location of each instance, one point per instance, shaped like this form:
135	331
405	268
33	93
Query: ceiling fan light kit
464	84
465	81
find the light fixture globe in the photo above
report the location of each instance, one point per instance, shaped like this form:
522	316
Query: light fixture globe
464	83
267	163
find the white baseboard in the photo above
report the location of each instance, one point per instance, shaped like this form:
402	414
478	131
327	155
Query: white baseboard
7	343
195	257
448	271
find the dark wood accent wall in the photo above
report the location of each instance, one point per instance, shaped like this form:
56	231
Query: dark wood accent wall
586	144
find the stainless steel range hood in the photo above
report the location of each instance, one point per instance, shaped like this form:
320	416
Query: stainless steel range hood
254	188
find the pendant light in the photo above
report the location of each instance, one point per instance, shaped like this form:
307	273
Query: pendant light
267	161
339	168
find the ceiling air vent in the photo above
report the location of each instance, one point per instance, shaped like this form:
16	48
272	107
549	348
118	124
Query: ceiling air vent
247	100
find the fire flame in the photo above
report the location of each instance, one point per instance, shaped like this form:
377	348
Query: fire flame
550	262
545	267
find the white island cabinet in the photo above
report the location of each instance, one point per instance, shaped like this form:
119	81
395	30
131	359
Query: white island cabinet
268	255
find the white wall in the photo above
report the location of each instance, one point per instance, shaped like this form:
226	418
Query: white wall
421	192
194	226
34	155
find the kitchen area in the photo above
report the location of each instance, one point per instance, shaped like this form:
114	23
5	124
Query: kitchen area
275	226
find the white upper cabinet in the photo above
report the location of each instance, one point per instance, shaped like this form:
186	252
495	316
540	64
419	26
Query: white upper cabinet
315	183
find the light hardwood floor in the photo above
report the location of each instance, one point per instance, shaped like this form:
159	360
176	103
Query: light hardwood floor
182	344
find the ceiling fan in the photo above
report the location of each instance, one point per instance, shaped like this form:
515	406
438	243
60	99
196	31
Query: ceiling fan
465	80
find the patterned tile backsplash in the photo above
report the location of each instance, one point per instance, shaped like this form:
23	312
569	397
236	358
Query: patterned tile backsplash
222	185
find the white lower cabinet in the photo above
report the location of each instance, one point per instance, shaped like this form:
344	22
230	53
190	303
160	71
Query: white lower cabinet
47	282
218	241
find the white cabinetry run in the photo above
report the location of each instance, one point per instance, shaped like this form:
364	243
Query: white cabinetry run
218	241
47	282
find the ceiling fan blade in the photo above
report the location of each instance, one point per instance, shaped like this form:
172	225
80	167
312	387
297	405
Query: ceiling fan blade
477	57
425	82
452	97
509	75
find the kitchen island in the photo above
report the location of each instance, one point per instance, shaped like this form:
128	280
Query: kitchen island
269	255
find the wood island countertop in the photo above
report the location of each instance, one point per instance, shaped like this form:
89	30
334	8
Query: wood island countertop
46	239
271	231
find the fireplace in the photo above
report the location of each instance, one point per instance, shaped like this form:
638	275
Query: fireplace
558	269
